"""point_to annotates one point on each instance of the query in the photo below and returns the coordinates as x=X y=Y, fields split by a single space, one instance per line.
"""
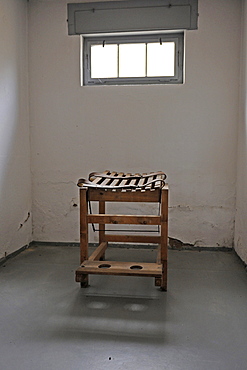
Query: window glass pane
x=161 y=59
x=104 y=61
x=132 y=60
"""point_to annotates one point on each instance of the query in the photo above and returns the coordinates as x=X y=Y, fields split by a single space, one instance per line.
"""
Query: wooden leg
x=164 y=237
x=163 y=283
x=84 y=282
x=83 y=231
x=158 y=280
x=102 y=227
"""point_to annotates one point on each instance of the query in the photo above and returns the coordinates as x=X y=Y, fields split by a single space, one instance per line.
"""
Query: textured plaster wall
x=15 y=176
x=241 y=209
x=189 y=130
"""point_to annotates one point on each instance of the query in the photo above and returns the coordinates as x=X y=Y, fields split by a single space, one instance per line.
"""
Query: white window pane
x=161 y=59
x=104 y=61
x=132 y=60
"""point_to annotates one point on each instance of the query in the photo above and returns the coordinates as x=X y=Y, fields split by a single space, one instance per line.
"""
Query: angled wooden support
x=99 y=252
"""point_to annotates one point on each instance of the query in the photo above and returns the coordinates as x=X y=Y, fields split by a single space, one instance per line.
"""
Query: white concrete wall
x=241 y=212
x=189 y=131
x=15 y=177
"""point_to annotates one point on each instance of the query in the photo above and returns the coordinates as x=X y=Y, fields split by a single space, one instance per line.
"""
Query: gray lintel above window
x=131 y=16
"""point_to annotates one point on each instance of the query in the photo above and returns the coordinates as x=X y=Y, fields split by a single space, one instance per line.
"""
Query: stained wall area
x=188 y=130
x=15 y=175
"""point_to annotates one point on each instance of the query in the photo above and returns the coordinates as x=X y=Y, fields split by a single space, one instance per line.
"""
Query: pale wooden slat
x=117 y=181
x=97 y=180
x=141 y=182
x=134 y=181
x=158 y=183
x=106 y=182
x=149 y=187
x=124 y=182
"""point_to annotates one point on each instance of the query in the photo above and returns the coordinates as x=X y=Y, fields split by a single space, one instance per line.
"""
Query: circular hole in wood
x=104 y=266
x=136 y=267
x=82 y=266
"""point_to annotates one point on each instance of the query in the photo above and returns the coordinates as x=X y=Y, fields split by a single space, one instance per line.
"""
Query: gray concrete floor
x=49 y=322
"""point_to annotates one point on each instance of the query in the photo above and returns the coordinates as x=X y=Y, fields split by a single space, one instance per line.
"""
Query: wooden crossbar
x=132 y=238
x=124 y=196
x=123 y=219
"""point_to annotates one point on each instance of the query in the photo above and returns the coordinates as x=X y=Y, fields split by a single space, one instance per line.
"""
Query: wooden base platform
x=119 y=268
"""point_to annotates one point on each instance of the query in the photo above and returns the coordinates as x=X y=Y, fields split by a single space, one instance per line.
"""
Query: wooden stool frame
x=93 y=264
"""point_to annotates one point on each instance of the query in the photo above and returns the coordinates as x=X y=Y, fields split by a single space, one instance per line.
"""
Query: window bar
x=176 y=52
x=146 y=61
x=118 y=60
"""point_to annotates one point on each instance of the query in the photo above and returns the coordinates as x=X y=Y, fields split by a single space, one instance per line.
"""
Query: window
x=133 y=59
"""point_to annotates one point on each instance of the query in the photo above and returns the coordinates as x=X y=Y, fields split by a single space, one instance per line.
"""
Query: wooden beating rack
x=120 y=187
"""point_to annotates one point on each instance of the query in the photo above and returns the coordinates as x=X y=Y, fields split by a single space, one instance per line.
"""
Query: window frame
x=87 y=41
